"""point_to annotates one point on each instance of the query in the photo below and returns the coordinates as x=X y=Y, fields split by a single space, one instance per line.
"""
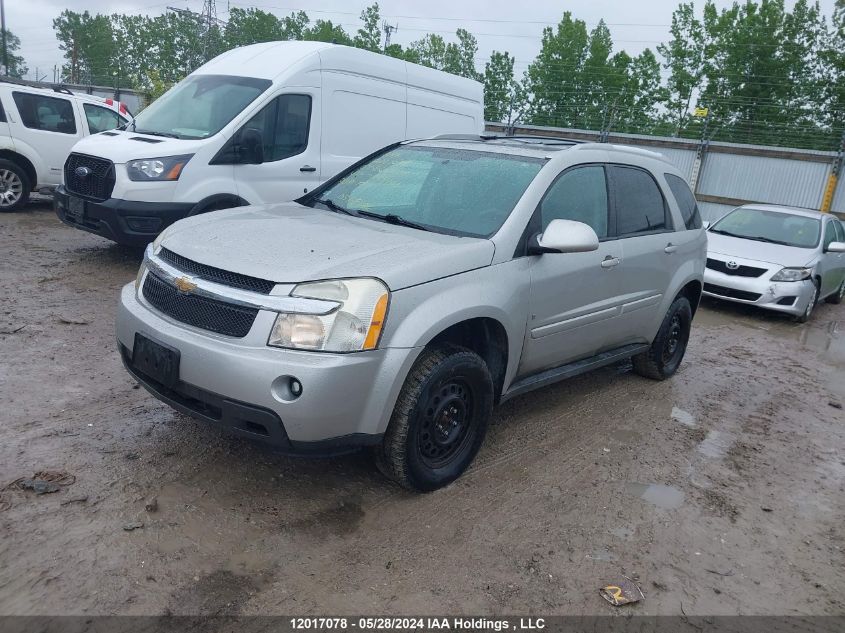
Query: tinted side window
x=579 y=194
x=829 y=233
x=283 y=124
x=45 y=113
x=639 y=205
x=100 y=119
x=840 y=232
x=686 y=201
x=2 y=113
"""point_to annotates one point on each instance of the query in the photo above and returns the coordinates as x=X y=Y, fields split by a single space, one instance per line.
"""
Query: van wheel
x=14 y=186
x=662 y=359
x=440 y=419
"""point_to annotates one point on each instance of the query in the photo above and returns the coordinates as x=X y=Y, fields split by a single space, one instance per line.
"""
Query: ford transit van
x=262 y=123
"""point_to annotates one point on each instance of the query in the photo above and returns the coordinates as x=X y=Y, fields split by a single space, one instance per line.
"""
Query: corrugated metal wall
x=730 y=173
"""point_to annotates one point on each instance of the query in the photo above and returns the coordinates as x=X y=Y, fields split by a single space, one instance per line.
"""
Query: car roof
x=810 y=213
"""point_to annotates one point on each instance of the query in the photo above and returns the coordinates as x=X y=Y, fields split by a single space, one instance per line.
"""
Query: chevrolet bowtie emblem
x=185 y=284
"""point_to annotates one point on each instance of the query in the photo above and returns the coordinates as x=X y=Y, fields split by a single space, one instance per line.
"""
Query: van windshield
x=443 y=189
x=199 y=106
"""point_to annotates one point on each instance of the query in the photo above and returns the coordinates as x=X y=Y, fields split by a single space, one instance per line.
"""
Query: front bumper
x=788 y=297
x=126 y=222
x=346 y=399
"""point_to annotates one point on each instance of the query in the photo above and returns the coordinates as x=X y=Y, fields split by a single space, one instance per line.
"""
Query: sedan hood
x=292 y=243
x=785 y=256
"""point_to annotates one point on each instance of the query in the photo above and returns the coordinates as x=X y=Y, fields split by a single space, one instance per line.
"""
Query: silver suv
x=396 y=304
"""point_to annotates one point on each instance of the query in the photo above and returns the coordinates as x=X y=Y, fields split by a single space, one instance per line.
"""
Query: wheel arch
x=24 y=162
x=692 y=291
x=216 y=201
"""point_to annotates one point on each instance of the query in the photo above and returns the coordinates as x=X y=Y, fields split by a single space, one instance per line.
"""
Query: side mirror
x=705 y=225
x=566 y=236
x=251 y=146
x=835 y=247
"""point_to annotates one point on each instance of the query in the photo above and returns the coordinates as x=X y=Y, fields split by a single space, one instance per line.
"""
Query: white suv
x=38 y=127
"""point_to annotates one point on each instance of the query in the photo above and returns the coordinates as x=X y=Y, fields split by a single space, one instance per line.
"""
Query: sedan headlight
x=165 y=168
x=356 y=325
x=792 y=274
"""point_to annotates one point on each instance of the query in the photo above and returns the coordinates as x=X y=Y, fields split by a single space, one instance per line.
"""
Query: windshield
x=770 y=226
x=199 y=106
x=455 y=191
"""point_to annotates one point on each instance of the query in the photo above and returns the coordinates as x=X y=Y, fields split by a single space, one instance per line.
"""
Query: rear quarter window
x=686 y=201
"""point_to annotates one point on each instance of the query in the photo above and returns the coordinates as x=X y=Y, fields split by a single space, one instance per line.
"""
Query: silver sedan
x=777 y=258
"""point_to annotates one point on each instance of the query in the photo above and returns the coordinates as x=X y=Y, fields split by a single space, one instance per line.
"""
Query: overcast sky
x=512 y=25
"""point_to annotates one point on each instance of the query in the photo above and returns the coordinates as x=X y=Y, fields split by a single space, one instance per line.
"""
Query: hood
x=120 y=146
x=759 y=251
x=292 y=243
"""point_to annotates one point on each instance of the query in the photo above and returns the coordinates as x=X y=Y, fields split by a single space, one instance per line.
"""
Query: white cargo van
x=261 y=123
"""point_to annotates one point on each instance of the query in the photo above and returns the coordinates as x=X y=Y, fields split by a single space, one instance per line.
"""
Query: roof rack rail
x=35 y=84
x=61 y=88
x=539 y=140
x=545 y=140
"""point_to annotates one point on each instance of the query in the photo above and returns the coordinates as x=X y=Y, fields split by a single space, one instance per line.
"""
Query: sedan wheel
x=805 y=316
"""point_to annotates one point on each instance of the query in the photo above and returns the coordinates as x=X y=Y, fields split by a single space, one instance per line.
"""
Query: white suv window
x=100 y=119
x=41 y=112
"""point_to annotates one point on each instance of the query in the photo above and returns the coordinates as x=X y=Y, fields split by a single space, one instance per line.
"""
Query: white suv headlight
x=355 y=326
x=792 y=274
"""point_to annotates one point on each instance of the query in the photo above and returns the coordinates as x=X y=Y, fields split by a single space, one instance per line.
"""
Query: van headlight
x=356 y=325
x=792 y=274
x=164 y=168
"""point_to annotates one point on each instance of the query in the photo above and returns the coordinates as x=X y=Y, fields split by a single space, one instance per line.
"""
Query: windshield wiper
x=331 y=204
x=392 y=218
x=151 y=133
x=760 y=238
x=728 y=233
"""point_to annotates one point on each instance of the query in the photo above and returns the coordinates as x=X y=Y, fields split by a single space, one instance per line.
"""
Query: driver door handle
x=307 y=168
x=670 y=248
x=610 y=262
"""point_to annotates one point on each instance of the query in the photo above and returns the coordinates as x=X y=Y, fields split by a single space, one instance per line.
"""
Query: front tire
x=14 y=186
x=440 y=419
x=663 y=358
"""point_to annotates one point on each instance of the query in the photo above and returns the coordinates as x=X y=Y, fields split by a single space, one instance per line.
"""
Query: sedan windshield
x=442 y=189
x=199 y=106
x=770 y=226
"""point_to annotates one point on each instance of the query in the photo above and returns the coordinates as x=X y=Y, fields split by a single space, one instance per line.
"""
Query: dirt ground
x=719 y=491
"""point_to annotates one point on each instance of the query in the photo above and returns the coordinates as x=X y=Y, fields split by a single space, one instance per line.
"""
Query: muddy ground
x=720 y=491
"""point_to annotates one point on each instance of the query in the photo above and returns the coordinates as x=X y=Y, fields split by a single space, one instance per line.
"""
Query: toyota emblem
x=732 y=265
x=82 y=172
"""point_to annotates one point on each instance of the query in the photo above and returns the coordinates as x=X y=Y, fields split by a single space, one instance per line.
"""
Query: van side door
x=574 y=297
x=49 y=125
x=288 y=130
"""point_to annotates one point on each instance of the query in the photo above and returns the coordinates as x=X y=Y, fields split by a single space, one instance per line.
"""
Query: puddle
x=716 y=444
x=600 y=554
x=665 y=497
x=685 y=418
x=623 y=531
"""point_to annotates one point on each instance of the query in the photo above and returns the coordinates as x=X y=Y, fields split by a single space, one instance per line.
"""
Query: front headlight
x=165 y=168
x=792 y=274
x=355 y=326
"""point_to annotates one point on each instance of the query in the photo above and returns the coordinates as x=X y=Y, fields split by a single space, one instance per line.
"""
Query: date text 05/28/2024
x=416 y=624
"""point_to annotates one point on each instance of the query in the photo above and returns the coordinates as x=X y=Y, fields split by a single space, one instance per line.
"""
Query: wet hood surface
x=121 y=146
x=760 y=251
x=291 y=243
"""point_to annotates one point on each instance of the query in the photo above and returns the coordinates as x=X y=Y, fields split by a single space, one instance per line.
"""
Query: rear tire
x=663 y=358
x=14 y=186
x=837 y=297
x=440 y=419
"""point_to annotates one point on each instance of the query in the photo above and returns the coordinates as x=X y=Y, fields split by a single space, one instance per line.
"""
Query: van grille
x=201 y=312
x=96 y=184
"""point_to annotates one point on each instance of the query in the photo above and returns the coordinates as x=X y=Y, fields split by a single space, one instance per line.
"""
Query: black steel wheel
x=662 y=359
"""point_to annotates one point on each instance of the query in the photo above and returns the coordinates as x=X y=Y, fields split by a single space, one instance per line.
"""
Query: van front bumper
x=345 y=403
x=126 y=222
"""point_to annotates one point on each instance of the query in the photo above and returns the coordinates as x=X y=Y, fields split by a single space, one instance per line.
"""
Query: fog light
x=144 y=225
x=295 y=388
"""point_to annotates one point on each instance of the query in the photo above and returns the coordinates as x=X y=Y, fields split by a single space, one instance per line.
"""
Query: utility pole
x=3 y=26
x=388 y=31
x=74 y=60
x=702 y=148
x=833 y=178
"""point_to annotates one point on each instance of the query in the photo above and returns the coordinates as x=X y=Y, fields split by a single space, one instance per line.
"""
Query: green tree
x=89 y=46
x=369 y=35
x=503 y=97
x=16 y=66
x=683 y=56
x=326 y=31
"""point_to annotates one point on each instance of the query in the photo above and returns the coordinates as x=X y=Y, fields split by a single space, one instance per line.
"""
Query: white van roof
x=271 y=60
